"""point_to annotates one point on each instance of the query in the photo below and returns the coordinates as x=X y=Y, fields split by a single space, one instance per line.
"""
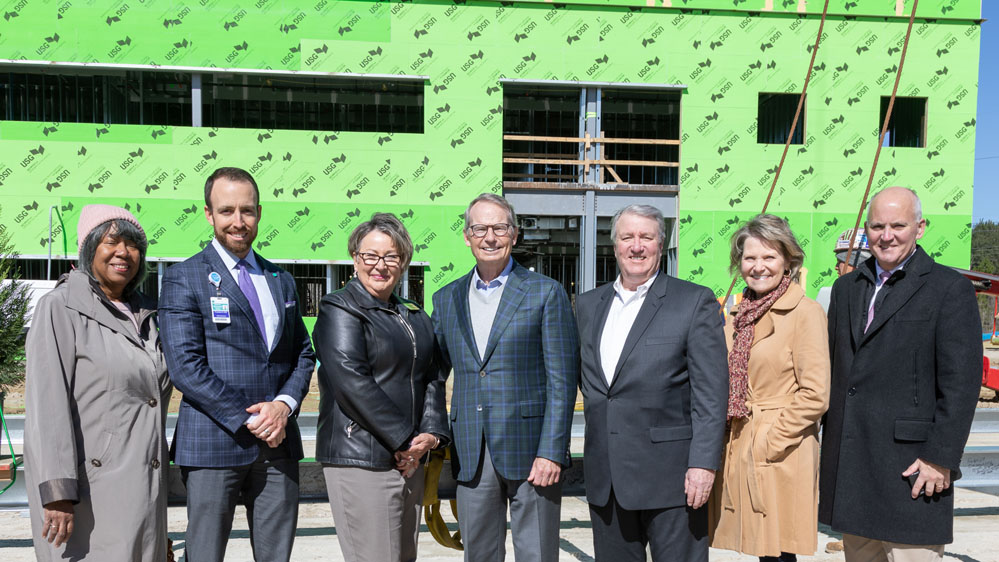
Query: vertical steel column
x=580 y=176
x=591 y=122
x=159 y=277
x=329 y=278
x=404 y=284
x=588 y=227
x=196 y=118
x=588 y=243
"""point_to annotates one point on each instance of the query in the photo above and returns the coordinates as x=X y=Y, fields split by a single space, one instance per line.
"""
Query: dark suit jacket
x=521 y=394
x=905 y=389
x=665 y=408
x=222 y=369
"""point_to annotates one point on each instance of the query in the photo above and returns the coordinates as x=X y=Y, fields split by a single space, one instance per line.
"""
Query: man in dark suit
x=655 y=391
x=510 y=337
x=905 y=339
x=236 y=347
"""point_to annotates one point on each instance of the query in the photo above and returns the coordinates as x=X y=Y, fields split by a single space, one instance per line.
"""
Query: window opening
x=312 y=103
x=559 y=134
x=774 y=116
x=126 y=97
x=907 y=126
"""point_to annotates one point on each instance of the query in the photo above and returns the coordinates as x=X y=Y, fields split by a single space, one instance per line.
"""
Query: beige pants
x=376 y=512
x=860 y=549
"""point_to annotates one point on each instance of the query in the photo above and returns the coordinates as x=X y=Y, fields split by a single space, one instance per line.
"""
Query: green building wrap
x=317 y=185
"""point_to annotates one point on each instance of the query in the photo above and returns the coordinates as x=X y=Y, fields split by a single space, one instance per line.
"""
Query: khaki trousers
x=860 y=549
x=376 y=512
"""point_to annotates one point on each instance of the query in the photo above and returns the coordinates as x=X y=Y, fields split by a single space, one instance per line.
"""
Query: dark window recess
x=775 y=114
x=311 y=103
x=634 y=114
x=541 y=112
x=416 y=283
x=35 y=269
x=134 y=98
x=907 y=126
x=310 y=282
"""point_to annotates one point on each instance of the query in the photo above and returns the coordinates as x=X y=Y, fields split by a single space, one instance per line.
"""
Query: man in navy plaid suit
x=510 y=336
x=237 y=349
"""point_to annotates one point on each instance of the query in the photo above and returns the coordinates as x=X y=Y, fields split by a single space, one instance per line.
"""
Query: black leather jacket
x=380 y=378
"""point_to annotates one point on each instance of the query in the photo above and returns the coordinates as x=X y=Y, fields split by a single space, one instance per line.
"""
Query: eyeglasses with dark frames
x=499 y=229
x=391 y=260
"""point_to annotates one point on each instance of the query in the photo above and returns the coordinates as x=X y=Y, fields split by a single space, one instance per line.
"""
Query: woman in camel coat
x=765 y=498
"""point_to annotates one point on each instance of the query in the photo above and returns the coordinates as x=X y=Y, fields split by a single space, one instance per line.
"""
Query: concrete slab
x=976 y=522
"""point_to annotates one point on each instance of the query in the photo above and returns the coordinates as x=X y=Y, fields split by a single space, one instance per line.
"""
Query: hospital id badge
x=220 y=310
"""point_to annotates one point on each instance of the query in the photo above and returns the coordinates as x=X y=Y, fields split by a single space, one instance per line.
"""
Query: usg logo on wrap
x=97 y=180
x=390 y=178
x=186 y=217
x=438 y=188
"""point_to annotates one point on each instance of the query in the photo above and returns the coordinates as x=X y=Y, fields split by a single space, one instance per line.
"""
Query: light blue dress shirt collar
x=500 y=280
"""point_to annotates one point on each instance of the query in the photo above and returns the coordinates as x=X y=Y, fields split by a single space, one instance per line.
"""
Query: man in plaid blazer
x=510 y=336
x=236 y=347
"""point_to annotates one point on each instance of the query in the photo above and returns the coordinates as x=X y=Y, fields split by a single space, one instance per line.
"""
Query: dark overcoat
x=905 y=389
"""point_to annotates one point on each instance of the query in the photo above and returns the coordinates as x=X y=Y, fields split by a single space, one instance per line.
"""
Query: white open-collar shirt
x=623 y=311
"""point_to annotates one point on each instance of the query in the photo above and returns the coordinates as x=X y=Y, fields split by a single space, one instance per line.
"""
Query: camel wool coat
x=765 y=498
x=96 y=395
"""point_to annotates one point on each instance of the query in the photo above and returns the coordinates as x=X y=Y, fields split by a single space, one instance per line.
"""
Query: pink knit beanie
x=93 y=216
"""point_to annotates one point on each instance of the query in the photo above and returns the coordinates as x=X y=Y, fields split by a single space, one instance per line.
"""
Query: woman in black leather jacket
x=381 y=398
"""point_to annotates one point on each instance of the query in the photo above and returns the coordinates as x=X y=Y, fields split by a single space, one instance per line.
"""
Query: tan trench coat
x=765 y=498
x=95 y=408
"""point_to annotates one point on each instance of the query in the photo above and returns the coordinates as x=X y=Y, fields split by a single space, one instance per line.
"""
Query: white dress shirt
x=623 y=311
x=267 y=306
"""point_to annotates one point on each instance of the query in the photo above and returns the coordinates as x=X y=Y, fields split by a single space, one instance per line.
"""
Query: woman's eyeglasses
x=391 y=260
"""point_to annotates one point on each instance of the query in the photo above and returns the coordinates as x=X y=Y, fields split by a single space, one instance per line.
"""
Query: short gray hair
x=917 y=205
x=496 y=200
x=647 y=211
x=124 y=230
x=389 y=225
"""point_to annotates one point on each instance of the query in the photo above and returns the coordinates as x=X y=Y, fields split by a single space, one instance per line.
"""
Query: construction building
x=571 y=110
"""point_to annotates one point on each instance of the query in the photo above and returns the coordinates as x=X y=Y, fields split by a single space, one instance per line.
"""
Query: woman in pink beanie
x=96 y=396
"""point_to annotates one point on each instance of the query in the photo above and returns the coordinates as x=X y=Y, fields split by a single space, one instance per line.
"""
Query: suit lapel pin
x=215 y=279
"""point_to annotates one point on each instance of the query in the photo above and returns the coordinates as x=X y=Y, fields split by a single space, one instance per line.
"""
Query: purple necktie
x=883 y=276
x=246 y=285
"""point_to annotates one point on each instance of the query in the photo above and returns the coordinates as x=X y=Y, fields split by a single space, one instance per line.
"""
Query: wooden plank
x=638 y=163
x=576 y=187
x=539 y=155
x=549 y=176
x=588 y=139
x=587 y=163
x=616 y=177
x=7 y=468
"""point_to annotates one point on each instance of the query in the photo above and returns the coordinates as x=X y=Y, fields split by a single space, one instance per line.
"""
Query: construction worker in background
x=861 y=251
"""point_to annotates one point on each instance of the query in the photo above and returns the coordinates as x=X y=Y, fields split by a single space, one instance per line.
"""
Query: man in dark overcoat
x=905 y=339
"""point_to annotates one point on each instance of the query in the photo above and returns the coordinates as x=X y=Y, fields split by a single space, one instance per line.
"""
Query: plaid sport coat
x=222 y=369
x=520 y=395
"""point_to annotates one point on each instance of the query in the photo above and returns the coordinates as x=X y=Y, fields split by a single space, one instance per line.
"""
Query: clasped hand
x=269 y=425
x=408 y=460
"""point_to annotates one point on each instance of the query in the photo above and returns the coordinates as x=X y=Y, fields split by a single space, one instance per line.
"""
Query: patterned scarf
x=752 y=308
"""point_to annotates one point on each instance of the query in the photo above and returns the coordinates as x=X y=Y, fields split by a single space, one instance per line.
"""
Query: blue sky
x=986 y=206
